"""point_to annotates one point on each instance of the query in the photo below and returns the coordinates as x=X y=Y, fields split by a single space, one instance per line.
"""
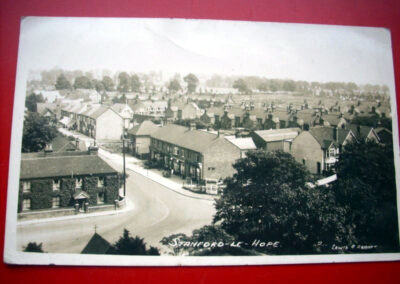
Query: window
x=331 y=152
x=100 y=181
x=304 y=162
x=56 y=202
x=198 y=158
x=100 y=197
x=56 y=184
x=26 y=204
x=211 y=168
x=78 y=183
x=26 y=186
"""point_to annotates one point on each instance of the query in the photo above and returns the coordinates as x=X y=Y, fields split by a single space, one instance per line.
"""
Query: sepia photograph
x=148 y=142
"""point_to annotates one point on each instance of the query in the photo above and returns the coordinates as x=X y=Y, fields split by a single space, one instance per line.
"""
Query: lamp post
x=123 y=155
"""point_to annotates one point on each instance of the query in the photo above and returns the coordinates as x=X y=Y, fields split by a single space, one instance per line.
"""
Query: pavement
x=134 y=164
x=128 y=207
x=157 y=212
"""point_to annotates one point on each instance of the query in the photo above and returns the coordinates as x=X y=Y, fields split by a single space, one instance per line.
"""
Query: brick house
x=64 y=180
x=212 y=115
x=318 y=149
x=125 y=111
x=362 y=132
x=194 y=154
x=139 y=137
x=101 y=123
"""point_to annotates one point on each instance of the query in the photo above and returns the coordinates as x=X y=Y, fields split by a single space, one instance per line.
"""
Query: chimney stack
x=93 y=149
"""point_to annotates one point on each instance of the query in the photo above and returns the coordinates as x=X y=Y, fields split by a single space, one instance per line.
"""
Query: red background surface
x=385 y=13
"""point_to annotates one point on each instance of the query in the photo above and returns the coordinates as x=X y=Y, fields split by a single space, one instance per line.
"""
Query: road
x=158 y=212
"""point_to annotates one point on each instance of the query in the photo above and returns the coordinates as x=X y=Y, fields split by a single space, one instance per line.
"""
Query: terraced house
x=101 y=123
x=199 y=155
x=66 y=182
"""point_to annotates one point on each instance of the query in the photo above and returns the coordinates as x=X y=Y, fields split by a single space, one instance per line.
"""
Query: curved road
x=158 y=212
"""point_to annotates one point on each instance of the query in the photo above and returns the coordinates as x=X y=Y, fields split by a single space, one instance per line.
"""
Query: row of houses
x=199 y=155
x=67 y=180
x=203 y=155
x=98 y=121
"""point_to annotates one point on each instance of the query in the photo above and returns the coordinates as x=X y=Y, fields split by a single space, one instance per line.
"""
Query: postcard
x=163 y=142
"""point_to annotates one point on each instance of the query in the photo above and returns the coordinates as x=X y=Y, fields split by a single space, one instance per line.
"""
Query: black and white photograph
x=163 y=142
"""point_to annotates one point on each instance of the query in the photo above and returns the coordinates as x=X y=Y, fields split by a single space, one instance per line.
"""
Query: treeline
x=262 y=84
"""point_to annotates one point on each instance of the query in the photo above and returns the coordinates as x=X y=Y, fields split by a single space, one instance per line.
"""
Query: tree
x=108 y=83
x=127 y=245
x=135 y=83
x=62 y=83
x=37 y=133
x=267 y=199
x=369 y=192
x=263 y=86
x=241 y=85
x=289 y=86
x=32 y=100
x=192 y=81
x=121 y=99
x=82 y=82
x=174 y=86
x=33 y=247
x=98 y=85
x=123 y=82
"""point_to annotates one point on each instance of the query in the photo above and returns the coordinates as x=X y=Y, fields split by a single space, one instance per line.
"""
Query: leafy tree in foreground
x=128 y=245
x=33 y=247
x=36 y=133
x=267 y=199
x=366 y=185
x=32 y=100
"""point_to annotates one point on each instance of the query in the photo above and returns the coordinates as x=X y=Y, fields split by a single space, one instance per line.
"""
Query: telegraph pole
x=123 y=154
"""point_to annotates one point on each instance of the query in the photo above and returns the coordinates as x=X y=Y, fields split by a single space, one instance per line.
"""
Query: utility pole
x=123 y=154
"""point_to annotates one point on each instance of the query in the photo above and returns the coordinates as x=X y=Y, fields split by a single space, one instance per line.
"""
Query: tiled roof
x=360 y=131
x=61 y=143
x=97 y=245
x=325 y=135
x=282 y=115
x=278 y=134
x=195 y=140
x=332 y=118
x=246 y=143
x=59 y=166
x=215 y=111
x=145 y=128
x=119 y=107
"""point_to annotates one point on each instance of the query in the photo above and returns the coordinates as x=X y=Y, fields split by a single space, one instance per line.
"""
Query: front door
x=81 y=203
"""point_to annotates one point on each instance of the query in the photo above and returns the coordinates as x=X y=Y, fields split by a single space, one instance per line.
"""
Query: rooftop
x=63 y=164
x=278 y=134
x=195 y=140
x=145 y=128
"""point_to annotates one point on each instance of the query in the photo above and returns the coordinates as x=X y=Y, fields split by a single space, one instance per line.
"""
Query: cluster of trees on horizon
x=148 y=82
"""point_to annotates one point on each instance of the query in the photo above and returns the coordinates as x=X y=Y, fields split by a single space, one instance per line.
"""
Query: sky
x=273 y=50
